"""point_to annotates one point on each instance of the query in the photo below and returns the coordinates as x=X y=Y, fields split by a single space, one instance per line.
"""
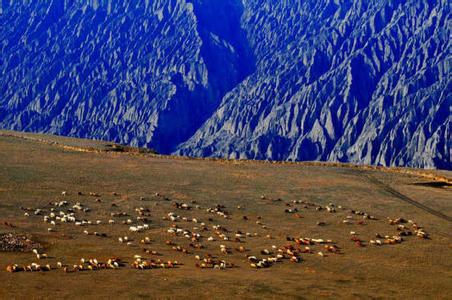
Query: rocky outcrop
x=356 y=81
x=350 y=81
x=143 y=73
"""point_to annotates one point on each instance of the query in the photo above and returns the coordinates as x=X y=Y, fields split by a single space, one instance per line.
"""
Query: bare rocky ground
x=18 y=243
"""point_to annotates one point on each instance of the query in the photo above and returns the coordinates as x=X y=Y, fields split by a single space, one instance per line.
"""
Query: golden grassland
x=35 y=169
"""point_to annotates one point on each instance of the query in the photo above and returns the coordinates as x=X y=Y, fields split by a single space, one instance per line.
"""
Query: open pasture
x=108 y=224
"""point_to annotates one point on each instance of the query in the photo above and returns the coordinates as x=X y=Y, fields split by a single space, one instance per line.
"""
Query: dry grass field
x=278 y=205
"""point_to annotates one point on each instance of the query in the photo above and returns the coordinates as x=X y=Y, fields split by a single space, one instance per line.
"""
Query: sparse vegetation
x=239 y=229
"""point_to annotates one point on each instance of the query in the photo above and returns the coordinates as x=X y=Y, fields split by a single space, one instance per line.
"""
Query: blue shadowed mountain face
x=364 y=81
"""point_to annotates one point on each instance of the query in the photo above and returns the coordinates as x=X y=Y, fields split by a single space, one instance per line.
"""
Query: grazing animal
x=295 y=259
x=11 y=268
x=241 y=249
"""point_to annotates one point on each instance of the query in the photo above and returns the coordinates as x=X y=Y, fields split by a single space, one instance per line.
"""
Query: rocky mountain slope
x=339 y=80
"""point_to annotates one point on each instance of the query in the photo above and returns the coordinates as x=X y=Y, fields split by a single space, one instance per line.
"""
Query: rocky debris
x=13 y=242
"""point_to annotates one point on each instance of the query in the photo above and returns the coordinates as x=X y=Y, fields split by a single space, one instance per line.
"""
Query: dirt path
x=407 y=199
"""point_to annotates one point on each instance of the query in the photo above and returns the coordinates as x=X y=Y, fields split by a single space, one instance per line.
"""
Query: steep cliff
x=144 y=73
x=339 y=80
x=353 y=81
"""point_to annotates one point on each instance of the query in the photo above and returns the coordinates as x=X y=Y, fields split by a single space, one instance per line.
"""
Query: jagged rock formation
x=339 y=80
x=144 y=73
x=360 y=81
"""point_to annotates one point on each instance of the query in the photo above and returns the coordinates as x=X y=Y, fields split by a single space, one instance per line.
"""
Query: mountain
x=352 y=81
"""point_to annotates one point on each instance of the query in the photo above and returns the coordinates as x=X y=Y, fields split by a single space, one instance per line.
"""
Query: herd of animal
x=208 y=240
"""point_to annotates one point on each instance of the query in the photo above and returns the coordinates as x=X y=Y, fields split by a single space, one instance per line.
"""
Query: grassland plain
x=35 y=169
